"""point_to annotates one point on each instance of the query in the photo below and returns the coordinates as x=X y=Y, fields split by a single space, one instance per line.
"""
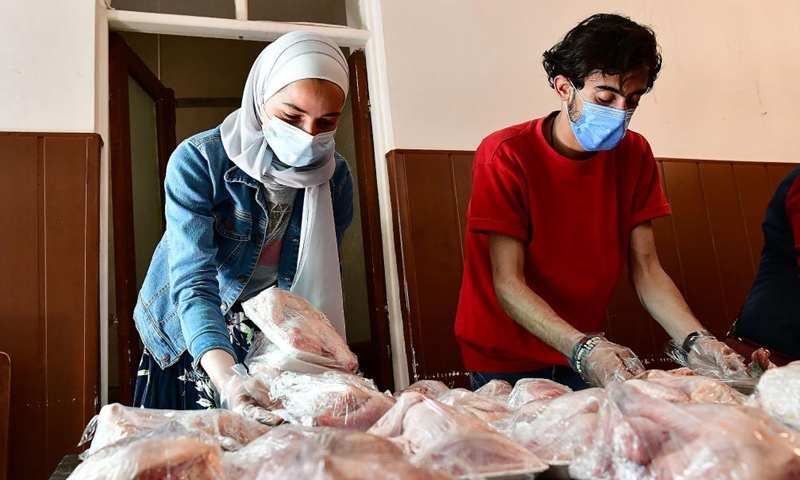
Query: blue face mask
x=296 y=148
x=600 y=127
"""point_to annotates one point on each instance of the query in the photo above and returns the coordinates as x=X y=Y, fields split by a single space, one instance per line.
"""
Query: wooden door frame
x=370 y=221
x=124 y=62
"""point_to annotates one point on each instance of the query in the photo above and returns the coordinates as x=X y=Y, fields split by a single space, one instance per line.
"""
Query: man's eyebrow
x=609 y=88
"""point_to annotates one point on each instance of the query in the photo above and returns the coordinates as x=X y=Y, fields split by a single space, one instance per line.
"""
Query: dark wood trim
x=53 y=135
x=708 y=161
x=423 y=151
x=5 y=408
x=370 y=220
x=122 y=208
x=123 y=62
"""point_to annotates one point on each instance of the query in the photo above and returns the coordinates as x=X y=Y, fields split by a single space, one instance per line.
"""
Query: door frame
x=381 y=351
x=124 y=62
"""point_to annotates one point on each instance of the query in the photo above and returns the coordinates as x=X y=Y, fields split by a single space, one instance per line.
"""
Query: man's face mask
x=296 y=148
x=600 y=127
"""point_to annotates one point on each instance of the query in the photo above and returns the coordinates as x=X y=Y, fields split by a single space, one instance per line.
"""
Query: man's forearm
x=536 y=316
x=664 y=302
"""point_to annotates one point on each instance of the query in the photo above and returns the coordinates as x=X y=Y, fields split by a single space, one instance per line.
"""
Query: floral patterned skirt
x=180 y=386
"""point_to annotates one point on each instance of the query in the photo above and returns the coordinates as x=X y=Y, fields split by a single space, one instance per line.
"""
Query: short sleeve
x=649 y=201
x=793 y=213
x=499 y=202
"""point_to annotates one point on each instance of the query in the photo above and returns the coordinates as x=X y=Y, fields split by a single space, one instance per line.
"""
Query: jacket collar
x=237 y=175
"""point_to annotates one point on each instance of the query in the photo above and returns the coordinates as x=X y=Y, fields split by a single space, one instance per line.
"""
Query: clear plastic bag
x=532 y=389
x=718 y=365
x=171 y=451
x=333 y=399
x=296 y=452
x=265 y=357
x=484 y=408
x=299 y=330
x=429 y=388
x=700 y=440
x=696 y=388
x=438 y=436
x=497 y=390
x=116 y=422
x=778 y=394
x=560 y=429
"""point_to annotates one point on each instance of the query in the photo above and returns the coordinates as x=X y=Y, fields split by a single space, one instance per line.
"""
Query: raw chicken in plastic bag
x=296 y=452
x=436 y=435
x=299 y=330
x=705 y=440
x=115 y=422
x=484 y=408
x=333 y=399
x=496 y=389
x=429 y=388
x=170 y=452
x=778 y=394
x=532 y=389
x=696 y=388
x=560 y=429
x=264 y=357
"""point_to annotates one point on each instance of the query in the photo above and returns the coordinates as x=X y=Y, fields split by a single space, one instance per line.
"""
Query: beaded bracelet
x=581 y=350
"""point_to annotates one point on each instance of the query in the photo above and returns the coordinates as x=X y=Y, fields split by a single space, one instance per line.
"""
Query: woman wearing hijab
x=263 y=200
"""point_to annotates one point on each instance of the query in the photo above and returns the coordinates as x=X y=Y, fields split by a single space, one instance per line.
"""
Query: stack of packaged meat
x=294 y=337
x=660 y=425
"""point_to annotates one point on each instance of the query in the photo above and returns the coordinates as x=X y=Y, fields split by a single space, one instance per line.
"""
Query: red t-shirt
x=575 y=218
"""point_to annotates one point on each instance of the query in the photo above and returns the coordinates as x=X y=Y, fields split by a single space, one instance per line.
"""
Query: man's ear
x=563 y=87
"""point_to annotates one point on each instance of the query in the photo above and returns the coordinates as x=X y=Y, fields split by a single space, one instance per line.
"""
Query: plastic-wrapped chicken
x=438 y=436
x=115 y=422
x=294 y=452
x=484 y=408
x=429 y=388
x=497 y=390
x=267 y=360
x=560 y=429
x=702 y=440
x=697 y=388
x=532 y=389
x=332 y=399
x=298 y=330
x=169 y=452
x=778 y=394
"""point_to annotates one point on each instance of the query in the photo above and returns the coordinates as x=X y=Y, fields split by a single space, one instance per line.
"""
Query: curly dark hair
x=606 y=43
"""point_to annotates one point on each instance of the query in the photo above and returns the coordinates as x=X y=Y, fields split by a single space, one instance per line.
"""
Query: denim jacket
x=216 y=223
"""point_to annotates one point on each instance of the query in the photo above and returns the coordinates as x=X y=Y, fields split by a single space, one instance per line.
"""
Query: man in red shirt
x=558 y=205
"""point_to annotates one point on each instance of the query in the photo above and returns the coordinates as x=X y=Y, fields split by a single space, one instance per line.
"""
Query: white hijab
x=295 y=56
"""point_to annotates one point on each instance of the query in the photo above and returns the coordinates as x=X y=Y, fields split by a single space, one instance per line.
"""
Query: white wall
x=458 y=70
x=47 y=60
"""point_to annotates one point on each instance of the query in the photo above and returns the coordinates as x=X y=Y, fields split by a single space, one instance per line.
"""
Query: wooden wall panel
x=462 y=180
x=754 y=194
x=49 y=309
x=694 y=240
x=428 y=244
x=728 y=230
x=710 y=247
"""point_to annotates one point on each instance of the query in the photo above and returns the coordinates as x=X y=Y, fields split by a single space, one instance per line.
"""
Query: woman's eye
x=291 y=116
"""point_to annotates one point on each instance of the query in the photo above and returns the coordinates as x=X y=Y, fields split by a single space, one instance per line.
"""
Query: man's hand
x=712 y=358
x=601 y=362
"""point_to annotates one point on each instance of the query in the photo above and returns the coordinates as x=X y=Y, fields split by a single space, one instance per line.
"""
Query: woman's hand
x=238 y=391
